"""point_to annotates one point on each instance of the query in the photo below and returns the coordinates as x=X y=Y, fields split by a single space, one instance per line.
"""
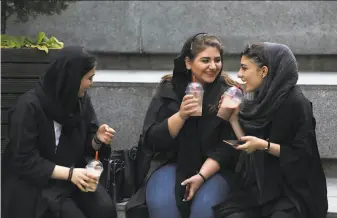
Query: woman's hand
x=252 y=144
x=188 y=106
x=81 y=179
x=105 y=134
x=192 y=185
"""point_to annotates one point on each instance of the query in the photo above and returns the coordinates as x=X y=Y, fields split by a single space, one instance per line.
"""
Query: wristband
x=70 y=173
x=202 y=176
x=267 y=149
x=97 y=141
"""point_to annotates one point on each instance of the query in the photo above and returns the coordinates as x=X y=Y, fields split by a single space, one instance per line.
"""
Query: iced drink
x=197 y=91
x=94 y=168
x=230 y=101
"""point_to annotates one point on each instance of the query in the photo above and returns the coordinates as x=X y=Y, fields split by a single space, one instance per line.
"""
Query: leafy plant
x=42 y=42
x=30 y=8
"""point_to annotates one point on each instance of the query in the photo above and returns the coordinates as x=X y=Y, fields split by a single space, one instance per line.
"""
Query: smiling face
x=86 y=82
x=251 y=74
x=206 y=66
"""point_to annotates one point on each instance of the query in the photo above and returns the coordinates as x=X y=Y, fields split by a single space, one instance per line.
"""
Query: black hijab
x=282 y=76
x=58 y=87
x=192 y=148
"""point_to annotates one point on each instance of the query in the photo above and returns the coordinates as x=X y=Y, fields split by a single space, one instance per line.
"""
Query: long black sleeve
x=24 y=134
x=158 y=135
x=219 y=151
x=92 y=127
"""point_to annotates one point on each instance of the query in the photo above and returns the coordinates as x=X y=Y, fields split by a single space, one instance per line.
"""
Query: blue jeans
x=160 y=197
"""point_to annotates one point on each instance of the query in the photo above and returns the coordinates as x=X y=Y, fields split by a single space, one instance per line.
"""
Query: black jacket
x=298 y=172
x=31 y=155
x=158 y=147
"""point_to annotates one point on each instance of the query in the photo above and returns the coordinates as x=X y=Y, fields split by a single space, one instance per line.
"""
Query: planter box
x=20 y=70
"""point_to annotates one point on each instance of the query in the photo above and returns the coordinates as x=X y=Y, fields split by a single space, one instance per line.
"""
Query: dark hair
x=90 y=62
x=191 y=48
x=256 y=53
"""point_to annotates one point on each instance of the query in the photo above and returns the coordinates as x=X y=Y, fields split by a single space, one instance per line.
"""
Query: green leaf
x=43 y=48
x=42 y=42
x=39 y=37
x=55 y=43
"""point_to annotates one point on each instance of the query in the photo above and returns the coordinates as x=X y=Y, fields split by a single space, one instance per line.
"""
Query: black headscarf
x=59 y=86
x=192 y=149
x=281 y=78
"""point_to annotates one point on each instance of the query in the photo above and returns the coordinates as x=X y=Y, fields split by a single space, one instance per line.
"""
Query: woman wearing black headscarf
x=52 y=128
x=279 y=165
x=190 y=171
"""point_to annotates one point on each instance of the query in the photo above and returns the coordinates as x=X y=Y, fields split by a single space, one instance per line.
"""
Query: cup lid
x=95 y=163
x=235 y=92
x=194 y=87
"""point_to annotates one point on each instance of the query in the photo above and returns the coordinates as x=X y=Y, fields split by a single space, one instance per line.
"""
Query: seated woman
x=279 y=165
x=52 y=128
x=190 y=172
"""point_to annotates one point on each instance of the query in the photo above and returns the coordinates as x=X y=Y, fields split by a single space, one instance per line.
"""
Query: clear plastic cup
x=94 y=168
x=231 y=100
x=196 y=89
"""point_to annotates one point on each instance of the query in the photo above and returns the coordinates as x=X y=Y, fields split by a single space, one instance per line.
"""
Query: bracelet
x=97 y=141
x=267 y=149
x=202 y=176
x=70 y=173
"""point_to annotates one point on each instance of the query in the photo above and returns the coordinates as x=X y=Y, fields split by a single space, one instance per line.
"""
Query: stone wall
x=162 y=26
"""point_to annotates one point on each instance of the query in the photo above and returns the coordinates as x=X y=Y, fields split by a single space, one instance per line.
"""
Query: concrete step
x=332 y=199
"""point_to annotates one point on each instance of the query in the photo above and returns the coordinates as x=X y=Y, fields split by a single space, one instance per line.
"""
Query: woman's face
x=86 y=82
x=206 y=65
x=251 y=74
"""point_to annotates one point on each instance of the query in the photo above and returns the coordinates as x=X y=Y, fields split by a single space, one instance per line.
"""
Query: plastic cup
x=197 y=91
x=94 y=168
x=230 y=101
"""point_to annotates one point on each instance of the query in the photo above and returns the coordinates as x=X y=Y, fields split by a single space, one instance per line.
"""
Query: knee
x=159 y=197
x=160 y=188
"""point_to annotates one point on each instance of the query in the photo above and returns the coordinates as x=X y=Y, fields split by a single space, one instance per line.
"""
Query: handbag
x=119 y=178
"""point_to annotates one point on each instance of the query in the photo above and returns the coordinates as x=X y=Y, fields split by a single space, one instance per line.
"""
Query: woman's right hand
x=81 y=179
x=188 y=106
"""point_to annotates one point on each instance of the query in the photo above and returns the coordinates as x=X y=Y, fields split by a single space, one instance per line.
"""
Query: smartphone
x=234 y=143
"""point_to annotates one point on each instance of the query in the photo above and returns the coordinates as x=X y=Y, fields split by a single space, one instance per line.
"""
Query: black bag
x=119 y=176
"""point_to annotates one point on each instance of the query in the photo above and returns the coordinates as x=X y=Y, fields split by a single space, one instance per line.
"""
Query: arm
x=220 y=155
x=26 y=158
x=175 y=123
x=92 y=127
x=160 y=134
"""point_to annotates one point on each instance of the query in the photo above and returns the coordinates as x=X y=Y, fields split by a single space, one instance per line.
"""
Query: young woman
x=279 y=166
x=52 y=128
x=190 y=172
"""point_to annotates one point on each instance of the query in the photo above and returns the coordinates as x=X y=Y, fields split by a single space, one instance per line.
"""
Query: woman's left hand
x=192 y=185
x=252 y=144
x=105 y=134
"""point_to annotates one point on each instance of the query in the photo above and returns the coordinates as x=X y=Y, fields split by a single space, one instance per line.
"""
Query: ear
x=188 y=63
x=264 y=71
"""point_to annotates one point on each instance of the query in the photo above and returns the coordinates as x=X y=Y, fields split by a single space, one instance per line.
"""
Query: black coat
x=158 y=147
x=298 y=172
x=30 y=156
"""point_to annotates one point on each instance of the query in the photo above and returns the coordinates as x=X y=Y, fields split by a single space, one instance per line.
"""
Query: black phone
x=234 y=143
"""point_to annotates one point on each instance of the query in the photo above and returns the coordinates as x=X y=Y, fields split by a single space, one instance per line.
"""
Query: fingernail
x=182 y=183
x=184 y=199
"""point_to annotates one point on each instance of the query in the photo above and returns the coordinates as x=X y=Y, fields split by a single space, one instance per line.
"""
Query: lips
x=240 y=81
x=210 y=73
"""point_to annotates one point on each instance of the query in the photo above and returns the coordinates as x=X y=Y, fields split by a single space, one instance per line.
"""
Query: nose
x=240 y=74
x=212 y=65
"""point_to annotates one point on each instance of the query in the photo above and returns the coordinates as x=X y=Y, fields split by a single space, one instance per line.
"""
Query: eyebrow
x=209 y=57
x=243 y=65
